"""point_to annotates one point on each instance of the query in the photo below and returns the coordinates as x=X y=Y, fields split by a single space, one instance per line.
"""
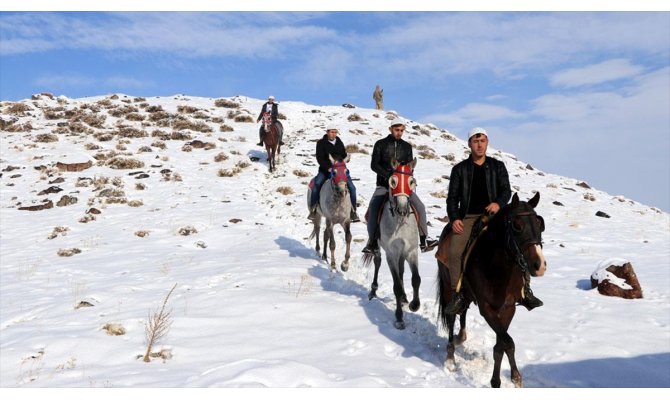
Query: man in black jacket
x=330 y=145
x=385 y=150
x=477 y=185
x=269 y=107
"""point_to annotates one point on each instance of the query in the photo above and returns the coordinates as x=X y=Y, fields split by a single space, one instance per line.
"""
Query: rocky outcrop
x=74 y=167
x=616 y=280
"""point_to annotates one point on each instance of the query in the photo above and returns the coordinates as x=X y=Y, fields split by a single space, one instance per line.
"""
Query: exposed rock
x=616 y=280
x=557 y=203
x=49 y=190
x=66 y=201
x=44 y=206
x=347 y=105
x=602 y=214
x=584 y=185
x=93 y=210
x=74 y=167
x=57 y=180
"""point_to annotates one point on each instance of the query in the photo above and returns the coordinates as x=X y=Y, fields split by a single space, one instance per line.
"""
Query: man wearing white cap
x=269 y=107
x=385 y=150
x=477 y=185
x=330 y=146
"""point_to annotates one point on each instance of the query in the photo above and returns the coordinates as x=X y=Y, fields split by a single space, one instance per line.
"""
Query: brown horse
x=510 y=245
x=271 y=138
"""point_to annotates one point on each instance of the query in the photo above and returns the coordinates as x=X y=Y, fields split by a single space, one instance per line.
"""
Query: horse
x=399 y=233
x=506 y=248
x=335 y=206
x=271 y=138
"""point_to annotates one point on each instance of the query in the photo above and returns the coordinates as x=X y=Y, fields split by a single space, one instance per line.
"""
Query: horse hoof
x=400 y=325
x=344 y=267
x=451 y=365
x=372 y=295
x=414 y=305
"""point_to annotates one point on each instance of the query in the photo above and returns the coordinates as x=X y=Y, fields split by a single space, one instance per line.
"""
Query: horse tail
x=443 y=293
x=367 y=259
x=315 y=230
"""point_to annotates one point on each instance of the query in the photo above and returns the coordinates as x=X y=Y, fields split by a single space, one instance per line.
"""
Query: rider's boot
x=371 y=247
x=426 y=244
x=456 y=304
x=529 y=300
x=353 y=216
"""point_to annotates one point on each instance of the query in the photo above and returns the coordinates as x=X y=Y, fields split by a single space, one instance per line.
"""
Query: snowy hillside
x=254 y=306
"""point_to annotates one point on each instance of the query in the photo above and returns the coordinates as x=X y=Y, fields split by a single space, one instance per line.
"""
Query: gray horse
x=398 y=236
x=335 y=206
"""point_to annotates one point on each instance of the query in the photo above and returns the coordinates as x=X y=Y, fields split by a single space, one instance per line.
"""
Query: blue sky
x=580 y=94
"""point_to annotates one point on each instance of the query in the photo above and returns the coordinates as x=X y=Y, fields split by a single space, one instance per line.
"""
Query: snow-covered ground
x=254 y=306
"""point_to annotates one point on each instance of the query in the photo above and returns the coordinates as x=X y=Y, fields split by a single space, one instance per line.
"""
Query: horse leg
x=451 y=346
x=498 y=352
x=317 y=227
x=398 y=291
x=375 y=286
x=326 y=235
x=462 y=333
x=347 y=237
x=509 y=350
x=416 y=282
x=332 y=246
x=401 y=274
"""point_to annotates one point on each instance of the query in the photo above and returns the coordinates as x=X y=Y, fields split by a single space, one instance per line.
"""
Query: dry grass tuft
x=285 y=190
x=187 y=109
x=18 y=109
x=187 y=230
x=226 y=128
x=353 y=148
x=114 y=329
x=124 y=163
x=244 y=118
x=142 y=233
x=301 y=173
x=355 y=118
x=68 y=252
x=157 y=326
x=221 y=157
x=136 y=203
x=45 y=138
x=225 y=103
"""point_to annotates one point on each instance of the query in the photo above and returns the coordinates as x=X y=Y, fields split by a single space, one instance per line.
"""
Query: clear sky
x=580 y=94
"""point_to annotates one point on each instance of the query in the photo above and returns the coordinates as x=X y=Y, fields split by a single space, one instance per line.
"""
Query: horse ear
x=394 y=164
x=346 y=161
x=413 y=163
x=515 y=200
x=536 y=199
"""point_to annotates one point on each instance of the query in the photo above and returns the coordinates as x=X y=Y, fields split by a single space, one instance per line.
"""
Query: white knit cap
x=477 y=130
x=271 y=98
x=398 y=121
x=332 y=126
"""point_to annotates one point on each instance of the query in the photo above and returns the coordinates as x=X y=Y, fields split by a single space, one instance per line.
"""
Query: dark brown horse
x=271 y=138
x=494 y=272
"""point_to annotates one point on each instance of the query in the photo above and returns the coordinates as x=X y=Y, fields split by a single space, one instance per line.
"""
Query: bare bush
x=140 y=186
x=144 y=149
x=301 y=173
x=157 y=326
x=180 y=136
x=355 y=117
x=354 y=148
x=68 y=252
x=198 y=126
x=226 y=128
x=221 y=157
x=135 y=117
x=187 y=109
x=130 y=132
x=136 y=203
x=142 y=233
x=154 y=109
x=62 y=230
x=244 y=118
x=92 y=146
x=18 y=109
x=225 y=103
x=114 y=329
x=124 y=163
x=228 y=173
x=159 y=144
x=187 y=230
x=285 y=190
x=45 y=138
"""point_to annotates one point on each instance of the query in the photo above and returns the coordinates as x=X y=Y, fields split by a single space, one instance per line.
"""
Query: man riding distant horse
x=384 y=152
x=270 y=107
x=478 y=185
x=330 y=145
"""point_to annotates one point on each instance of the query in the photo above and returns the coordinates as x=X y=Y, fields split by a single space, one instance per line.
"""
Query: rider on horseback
x=385 y=150
x=273 y=109
x=330 y=145
x=477 y=185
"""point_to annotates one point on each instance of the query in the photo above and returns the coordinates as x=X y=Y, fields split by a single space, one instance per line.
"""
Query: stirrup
x=429 y=245
x=530 y=301
x=371 y=247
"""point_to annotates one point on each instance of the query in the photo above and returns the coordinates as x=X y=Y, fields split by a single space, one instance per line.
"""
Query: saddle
x=442 y=253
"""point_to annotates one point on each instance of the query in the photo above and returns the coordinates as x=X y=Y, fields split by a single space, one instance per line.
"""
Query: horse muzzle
x=537 y=264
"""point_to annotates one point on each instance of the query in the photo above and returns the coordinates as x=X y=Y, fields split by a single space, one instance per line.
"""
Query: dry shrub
x=121 y=147
x=144 y=149
x=244 y=118
x=154 y=109
x=136 y=203
x=428 y=154
x=68 y=252
x=198 y=126
x=200 y=115
x=92 y=146
x=78 y=127
x=12 y=127
x=220 y=157
x=142 y=233
x=18 y=109
x=353 y=148
x=58 y=230
x=103 y=136
x=140 y=186
x=180 y=136
x=135 y=117
x=159 y=144
x=105 y=155
x=52 y=113
x=225 y=103
x=281 y=116
x=217 y=120
x=239 y=139
x=124 y=163
x=104 y=103
x=45 y=138
x=187 y=148
x=448 y=136
x=129 y=132
x=187 y=230
x=121 y=111
x=354 y=118
x=116 y=200
x=301 y=173
x=160 y=134
x=187 y=109
x=114 y=329
x=228 y=173
x=285 y=190
x=243 y=164
x=159 y=116
x=226 y=128
x=442 y=194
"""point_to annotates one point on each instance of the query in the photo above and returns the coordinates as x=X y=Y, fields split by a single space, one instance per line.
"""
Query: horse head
x=267 y=121
x=401 y=185
x=339 y=176
x=524 y=234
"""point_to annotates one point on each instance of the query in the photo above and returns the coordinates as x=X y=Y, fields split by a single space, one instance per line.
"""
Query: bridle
x=338 y=174
x=401 y=183
x=513 y=230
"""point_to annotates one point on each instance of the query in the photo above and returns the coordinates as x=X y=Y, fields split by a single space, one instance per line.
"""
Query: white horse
x=398 y=236
x=335 y=206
